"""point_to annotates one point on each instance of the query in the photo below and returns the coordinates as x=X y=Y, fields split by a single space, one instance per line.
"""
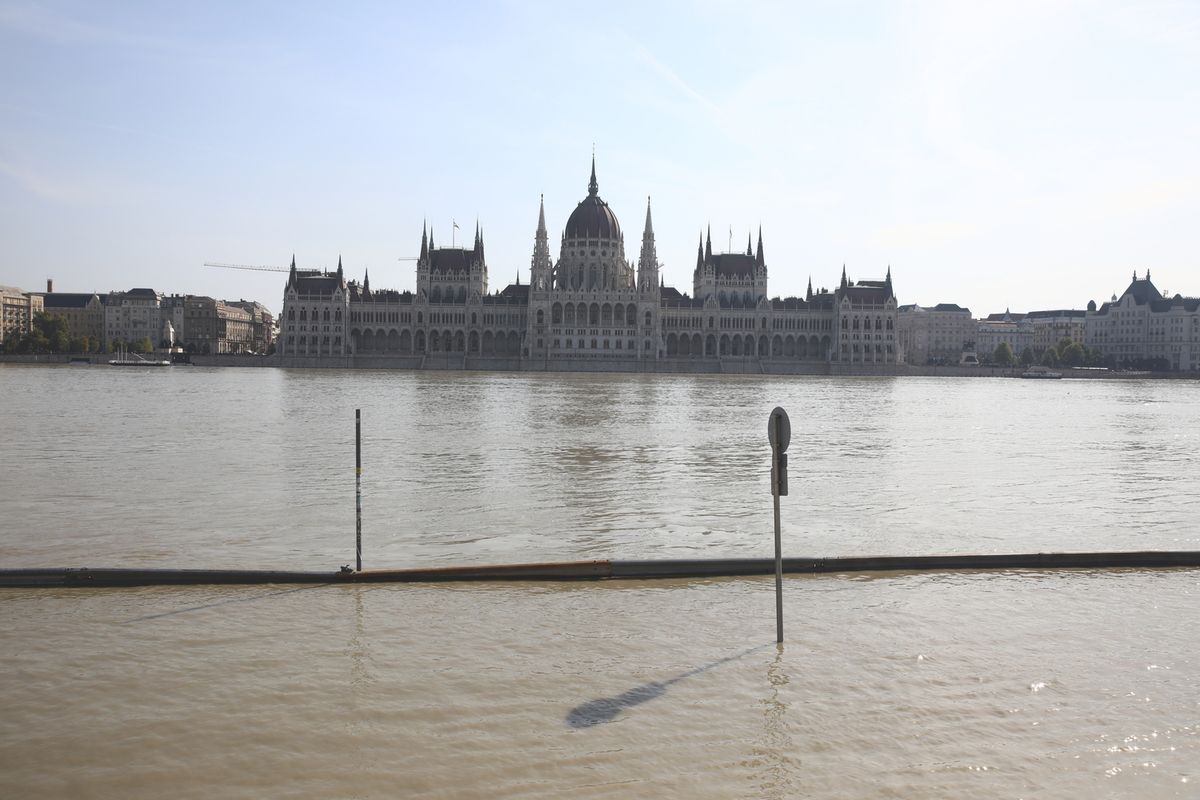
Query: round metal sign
x=785 y=430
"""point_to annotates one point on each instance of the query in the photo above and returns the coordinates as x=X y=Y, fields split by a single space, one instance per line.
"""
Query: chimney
x=49 y=285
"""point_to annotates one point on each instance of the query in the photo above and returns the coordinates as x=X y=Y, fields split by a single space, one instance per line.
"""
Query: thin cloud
x=40 y=23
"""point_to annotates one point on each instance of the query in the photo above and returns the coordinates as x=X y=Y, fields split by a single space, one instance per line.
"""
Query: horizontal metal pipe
x=599 y=570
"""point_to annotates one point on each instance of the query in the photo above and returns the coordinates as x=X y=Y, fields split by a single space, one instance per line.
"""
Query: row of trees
x=1068 y=353
x=50 y=333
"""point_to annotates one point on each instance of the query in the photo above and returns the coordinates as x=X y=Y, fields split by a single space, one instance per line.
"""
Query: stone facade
x=1051 y=327
x=938 y=334
x=1007 y=327
x=590 y=305
x=132 y=316
x=16 y=311
x=83 y=312
x=1142 y=325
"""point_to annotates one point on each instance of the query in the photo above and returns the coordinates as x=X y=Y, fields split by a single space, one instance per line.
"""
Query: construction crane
x=270 y=268
x=256 y=268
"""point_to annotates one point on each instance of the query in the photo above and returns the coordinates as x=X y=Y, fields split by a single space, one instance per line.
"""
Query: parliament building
x=591 y=308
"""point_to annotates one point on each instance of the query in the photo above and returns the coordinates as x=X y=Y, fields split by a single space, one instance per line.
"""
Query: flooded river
x=1009 y=684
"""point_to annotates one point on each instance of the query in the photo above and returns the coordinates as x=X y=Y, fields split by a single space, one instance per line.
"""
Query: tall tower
x=648 y=261
x=540 y=265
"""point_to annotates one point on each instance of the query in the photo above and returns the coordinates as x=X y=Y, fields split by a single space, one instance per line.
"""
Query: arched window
x=337 y=315
x=303 y=314
x=541 y=317
x=292 y=313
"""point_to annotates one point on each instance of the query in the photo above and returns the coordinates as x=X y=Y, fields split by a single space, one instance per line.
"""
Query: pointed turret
x=758 y=258
x=887 y=282
x=648 y=261
x=541 y=266
x=844 y=281
x=481 y=254
x=292 y=273
x=749 y=245
x=700 y=253
x=424 y=245
x=708 y=245
x=808 y=297
x=593 y=187
x=339 y=269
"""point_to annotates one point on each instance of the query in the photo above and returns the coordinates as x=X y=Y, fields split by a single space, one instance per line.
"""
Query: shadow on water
x=606 y=709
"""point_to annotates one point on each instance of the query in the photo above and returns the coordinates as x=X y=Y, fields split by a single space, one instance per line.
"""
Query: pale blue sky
x=1023 y=155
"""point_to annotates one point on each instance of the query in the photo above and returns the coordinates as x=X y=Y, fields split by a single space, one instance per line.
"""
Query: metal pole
x=358 y=493
x=778 y=546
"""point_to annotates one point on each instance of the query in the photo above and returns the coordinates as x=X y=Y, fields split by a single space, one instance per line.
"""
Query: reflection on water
x=254 y=468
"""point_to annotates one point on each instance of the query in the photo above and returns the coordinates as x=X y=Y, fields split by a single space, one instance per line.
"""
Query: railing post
x=779 y=434
x=358 y=489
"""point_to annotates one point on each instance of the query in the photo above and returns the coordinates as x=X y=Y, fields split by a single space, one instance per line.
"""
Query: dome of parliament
x=592 y=218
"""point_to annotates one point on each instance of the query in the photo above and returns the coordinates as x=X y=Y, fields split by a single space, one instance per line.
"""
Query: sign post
x=779 y=434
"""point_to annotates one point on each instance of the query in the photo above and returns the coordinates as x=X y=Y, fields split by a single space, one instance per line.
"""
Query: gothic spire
x=339 y=269
x=648 y=260
x=749 y=244
x=541 y=230
x=366 y=281
x=700 y=253
x=424 y=243
x=593 y=187
x=708 y=245
x=844 y=282
x=759 y=256
x=808 y=297
x=292 y=272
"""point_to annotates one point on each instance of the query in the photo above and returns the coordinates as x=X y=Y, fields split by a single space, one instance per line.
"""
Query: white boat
x=1040 y=372
x=127 y=359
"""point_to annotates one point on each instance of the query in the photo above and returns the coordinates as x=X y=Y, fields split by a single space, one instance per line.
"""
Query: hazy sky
x=1023 y=155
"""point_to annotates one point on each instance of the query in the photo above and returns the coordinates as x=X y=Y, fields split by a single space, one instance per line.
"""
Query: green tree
x=1028 y=357
x=1073 y=354
x=1004 y=354
x=50 y=334
x=1049 y=358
